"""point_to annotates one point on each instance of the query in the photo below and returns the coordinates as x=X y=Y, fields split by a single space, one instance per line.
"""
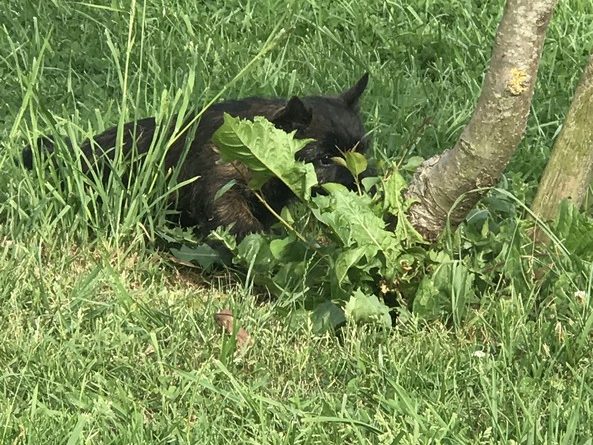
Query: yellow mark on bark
x=517 y=82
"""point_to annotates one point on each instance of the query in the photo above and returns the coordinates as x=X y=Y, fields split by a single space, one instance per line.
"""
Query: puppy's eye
x=326 y=161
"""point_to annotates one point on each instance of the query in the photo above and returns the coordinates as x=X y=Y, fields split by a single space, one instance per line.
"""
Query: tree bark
x=490 y=138
x=570 y=168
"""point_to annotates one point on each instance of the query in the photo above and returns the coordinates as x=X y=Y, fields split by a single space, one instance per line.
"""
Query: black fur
x=332 y=121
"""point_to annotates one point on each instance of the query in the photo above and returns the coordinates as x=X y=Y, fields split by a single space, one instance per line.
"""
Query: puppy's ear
x=293 y=116
x=352 y=96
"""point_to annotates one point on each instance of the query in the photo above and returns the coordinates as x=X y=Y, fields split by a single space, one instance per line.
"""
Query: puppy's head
x=334 y=123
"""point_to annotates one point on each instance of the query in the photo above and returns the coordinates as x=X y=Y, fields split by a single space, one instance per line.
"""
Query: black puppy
x=332 y=121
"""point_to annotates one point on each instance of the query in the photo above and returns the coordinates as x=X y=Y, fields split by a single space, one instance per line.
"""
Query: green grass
x=105 y=341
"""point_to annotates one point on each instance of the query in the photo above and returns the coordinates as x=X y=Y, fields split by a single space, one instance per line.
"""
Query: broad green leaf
x=394 y=203
x=461 y=282
x=223 y=236
x=369 y=182
x=267 y=152
x=286 y=215
x=355 y=162
x=438 y=256
x=351 y=218
x=290 y=275
x=254 y=251
x=340 y=161
x=202 y=255
x=327 y=316
x=362 y=308
x=349 y=258
x=412 y=163
x=445 y=292
x=394 y=186
x=177 y=234
x=279 y=246
x=429 y=303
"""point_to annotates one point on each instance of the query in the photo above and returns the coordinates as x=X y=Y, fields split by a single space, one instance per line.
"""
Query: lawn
x=105 y=339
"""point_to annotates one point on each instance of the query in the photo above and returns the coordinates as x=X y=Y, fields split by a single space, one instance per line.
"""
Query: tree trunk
x=570 y=168
x=490 y=138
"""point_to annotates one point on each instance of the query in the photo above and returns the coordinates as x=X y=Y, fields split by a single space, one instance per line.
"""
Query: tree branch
x=496 y=127
x=569 y=171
